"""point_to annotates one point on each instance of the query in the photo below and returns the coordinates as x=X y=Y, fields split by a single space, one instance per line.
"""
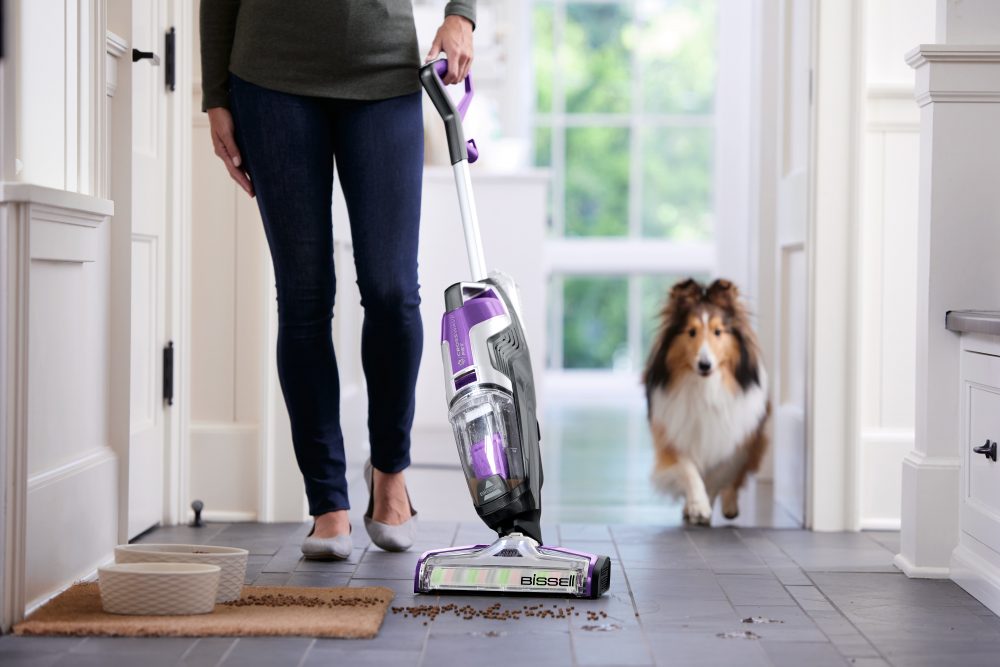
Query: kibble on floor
x=495 y=612
x=746 y=596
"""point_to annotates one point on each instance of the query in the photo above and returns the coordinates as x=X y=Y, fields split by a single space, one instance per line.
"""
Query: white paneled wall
x=888 y=256
x=228 y=331
x=61 y=459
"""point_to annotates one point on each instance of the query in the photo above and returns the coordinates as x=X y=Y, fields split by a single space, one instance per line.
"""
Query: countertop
x=974 y=321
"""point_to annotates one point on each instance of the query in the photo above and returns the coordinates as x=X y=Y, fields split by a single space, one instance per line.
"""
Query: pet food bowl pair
x=169 y=579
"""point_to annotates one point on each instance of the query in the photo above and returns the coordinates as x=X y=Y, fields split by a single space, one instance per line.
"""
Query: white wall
x=61 y=446
x=887 y=255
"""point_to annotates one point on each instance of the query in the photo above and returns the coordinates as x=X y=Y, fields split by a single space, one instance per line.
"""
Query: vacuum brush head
x=513 y=564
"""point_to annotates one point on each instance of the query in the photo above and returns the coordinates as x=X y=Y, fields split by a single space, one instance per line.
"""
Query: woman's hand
x=454 y=37
x=221 y=126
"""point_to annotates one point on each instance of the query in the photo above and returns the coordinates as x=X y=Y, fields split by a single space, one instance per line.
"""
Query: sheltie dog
x=706 y=395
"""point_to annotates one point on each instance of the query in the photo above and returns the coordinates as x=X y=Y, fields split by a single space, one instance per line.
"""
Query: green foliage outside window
x=595 y=321
x=631 y=76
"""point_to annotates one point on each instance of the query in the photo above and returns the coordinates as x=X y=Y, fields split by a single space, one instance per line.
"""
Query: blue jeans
x=289 y=144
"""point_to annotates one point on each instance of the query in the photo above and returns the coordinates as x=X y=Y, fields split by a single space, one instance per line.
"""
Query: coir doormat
x=261 y=611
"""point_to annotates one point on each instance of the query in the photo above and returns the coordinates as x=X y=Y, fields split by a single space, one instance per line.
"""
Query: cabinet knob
x=987 y=449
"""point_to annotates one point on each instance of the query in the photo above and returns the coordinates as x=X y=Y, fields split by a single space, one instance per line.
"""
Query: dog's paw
x=730 y=504
x=698 y=513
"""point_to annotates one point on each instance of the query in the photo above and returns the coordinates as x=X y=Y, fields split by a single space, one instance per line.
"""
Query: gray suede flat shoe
x=384 y=535
x=327 y=548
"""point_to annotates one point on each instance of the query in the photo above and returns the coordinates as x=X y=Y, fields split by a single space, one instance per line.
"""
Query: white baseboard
x=224 y=516
x=977 y=575
x=881 y=453
x=918 y=571
x=880 y=523
x=929 y=521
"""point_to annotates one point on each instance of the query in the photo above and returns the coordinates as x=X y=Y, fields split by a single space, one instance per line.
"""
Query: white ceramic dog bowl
x=155 y=589
x=231 y=560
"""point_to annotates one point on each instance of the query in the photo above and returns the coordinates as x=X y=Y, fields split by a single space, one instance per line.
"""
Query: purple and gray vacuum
x=491 y=405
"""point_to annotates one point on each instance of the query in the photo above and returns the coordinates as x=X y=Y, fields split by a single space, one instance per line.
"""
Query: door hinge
x=168 y=373
x=170 y=58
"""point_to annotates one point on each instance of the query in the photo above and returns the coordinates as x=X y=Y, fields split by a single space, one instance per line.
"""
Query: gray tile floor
x=597 y=461
x=679 y=596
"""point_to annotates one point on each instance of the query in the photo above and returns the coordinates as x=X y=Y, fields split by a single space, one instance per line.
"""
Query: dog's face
x=705 y=331
x=705 y=344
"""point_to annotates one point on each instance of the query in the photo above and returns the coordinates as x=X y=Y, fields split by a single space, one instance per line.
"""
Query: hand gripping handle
x=430 y=78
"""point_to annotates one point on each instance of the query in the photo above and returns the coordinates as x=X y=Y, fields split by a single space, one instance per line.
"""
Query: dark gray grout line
x=635 y=607
x=225 y=654
x=808 y=576
x=305 y=654
x=189 y=649
x=867 y=639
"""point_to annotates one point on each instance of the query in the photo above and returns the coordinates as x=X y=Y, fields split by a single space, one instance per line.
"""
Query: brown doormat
x=261 y=611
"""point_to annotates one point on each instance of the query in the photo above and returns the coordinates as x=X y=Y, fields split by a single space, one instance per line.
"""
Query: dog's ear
x=684 y=296
x=723 y=294
x=686 y=293
x=746 y=368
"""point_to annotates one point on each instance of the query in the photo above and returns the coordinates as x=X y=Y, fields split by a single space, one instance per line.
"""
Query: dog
x=706 y=396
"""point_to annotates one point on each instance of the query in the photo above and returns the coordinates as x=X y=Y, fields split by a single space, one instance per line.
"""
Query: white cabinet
x=976 y=560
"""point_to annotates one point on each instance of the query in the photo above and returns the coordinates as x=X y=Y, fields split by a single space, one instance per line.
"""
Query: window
x=623 y=114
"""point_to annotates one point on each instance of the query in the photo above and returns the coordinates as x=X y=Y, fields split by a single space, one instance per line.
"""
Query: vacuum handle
x=430 y=78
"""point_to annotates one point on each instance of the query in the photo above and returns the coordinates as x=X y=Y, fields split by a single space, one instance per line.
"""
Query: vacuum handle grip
x=430 y=79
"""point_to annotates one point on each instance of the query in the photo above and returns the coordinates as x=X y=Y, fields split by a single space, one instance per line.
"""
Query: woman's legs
x=287 y=144
x=379 y=148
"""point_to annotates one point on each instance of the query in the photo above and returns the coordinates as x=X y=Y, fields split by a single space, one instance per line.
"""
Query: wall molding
x=97 y=457
x=919 y=571
x=75 y=202
x=920 y=460
x=977 y=575
x=116 y=45
x=115 y=48
x=952 y=53
x=951 y=74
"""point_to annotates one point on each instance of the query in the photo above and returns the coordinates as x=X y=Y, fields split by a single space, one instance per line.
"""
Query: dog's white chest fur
x=704 y=420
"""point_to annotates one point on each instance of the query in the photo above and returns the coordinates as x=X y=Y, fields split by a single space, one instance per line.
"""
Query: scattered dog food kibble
x=281 y=600
x=495 y=612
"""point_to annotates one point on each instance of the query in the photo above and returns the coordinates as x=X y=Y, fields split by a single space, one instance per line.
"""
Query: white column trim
x=833 y=425
x=13 y=409
x=953 y=75
x=956 y=76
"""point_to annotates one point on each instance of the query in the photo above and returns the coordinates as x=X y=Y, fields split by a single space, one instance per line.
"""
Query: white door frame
x=178 y=278
x=832 y=421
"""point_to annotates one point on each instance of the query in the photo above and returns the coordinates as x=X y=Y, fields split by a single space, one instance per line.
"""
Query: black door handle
x=987 y=449
x=138 y=55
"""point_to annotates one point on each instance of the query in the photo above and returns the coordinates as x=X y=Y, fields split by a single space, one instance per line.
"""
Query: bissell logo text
x=538 y=580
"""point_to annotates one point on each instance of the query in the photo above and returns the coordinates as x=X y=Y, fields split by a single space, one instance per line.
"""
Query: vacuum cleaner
x=491 y=406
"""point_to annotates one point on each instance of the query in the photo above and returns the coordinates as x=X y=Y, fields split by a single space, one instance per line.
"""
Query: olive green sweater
x=350 y=49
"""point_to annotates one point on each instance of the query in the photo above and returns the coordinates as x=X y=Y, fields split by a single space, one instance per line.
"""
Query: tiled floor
x=678 y=597
x=597 y=461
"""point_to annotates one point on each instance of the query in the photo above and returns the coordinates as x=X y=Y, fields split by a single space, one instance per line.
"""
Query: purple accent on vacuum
x=488 y=458
x=455 y=326
x=591 y=557
x=464 y=380
x=441 y=67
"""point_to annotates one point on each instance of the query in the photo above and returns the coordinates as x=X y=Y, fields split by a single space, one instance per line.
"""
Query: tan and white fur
x=706 y=393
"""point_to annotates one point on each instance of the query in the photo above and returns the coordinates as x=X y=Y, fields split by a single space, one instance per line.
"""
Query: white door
x=149 y=217
x=791 y=253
